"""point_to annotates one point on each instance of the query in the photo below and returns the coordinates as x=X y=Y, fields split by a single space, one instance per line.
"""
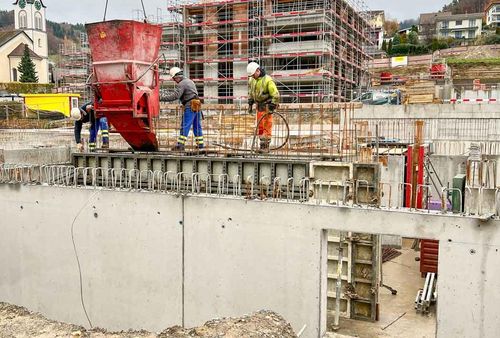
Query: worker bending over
x=187 y=94
x=86 y=114
x=262 y=91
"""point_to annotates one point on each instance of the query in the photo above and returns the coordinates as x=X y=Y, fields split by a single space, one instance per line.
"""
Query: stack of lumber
x=419 y=91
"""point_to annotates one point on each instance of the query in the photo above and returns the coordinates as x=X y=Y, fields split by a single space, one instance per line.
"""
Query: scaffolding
x=74 y=67
x=315 y=50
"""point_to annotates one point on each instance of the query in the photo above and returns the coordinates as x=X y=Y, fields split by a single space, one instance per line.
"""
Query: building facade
x=377 y=21
x=31 y=31
x=492 y=14
x=315 y=50
x=459 y=26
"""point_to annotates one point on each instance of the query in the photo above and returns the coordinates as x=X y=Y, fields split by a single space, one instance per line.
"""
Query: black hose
x=255 y=135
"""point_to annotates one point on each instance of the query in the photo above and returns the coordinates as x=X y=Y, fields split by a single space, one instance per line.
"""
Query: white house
x=31 y=30
x=492 y=14
x=459 y=26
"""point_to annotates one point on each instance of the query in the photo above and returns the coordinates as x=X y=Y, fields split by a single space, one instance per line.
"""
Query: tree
x=404 y=38
x=414 y=28
x=389 y=47
x=384 y=46
x=396 y=40
x=27 y=68
x=413 y=38
x=391 y=27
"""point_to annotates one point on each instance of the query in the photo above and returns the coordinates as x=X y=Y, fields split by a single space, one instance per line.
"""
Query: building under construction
x=138 y=236
x=315 y=50
x=74 y=66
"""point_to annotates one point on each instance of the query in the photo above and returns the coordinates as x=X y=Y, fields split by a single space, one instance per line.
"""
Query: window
x=472 y=34
x=14 y=74
x=458 y=23
x=74 y=102
x=458 y=35
x=23 y=19
x=38 y=21
x=445 y=24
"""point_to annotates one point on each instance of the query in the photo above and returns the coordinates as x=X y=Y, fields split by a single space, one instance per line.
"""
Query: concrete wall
x=428 y=111
x=37 y=156
x=152 y=260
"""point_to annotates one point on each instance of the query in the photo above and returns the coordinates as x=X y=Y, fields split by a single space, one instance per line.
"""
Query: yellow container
x=60 y=103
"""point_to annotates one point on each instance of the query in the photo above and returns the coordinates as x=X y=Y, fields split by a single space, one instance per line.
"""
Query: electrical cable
x=251 y=150
x=78 y=259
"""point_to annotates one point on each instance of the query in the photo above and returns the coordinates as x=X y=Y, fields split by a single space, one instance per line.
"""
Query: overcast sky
x=82 y=11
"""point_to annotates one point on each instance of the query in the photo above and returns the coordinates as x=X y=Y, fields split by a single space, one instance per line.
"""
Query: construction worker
x=187 y=94
x=86 y=114
x=262 y=91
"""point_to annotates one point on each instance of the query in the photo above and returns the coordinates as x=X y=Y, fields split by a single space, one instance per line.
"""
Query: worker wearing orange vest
x=263 y=92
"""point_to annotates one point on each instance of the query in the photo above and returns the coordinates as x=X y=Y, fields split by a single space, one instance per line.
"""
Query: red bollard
x=125 y=78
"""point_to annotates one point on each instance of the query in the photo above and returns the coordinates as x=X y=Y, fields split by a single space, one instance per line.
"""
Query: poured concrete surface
x=401 y=273
x=54 y=155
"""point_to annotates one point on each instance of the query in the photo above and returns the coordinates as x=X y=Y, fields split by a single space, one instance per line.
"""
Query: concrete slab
x=61 y=154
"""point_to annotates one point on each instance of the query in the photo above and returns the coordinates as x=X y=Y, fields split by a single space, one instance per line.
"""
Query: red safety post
x=125 y=78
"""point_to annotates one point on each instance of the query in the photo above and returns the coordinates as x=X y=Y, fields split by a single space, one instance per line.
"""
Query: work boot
x=105 y=146
x=178 y=147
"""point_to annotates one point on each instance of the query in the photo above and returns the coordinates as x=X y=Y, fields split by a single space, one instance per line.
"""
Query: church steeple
x=29 y=16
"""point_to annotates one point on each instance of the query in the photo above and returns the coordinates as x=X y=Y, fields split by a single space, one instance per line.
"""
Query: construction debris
x=16 y=321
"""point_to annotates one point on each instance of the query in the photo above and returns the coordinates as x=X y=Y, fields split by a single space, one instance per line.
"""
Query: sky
x=82 y=11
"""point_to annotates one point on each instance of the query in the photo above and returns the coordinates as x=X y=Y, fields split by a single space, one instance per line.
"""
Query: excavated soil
x=18 y=322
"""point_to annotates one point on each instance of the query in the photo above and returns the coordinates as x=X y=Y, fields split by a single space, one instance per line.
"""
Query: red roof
x=491 y=3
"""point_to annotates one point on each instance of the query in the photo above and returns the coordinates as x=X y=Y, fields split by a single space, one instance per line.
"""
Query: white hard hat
x=174 y=71
x=76 y=114
x=252 y=68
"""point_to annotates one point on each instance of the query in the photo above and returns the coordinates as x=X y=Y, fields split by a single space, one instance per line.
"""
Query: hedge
x=26 y=88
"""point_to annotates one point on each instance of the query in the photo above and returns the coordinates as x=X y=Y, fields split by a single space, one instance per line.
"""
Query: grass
x=459 y=61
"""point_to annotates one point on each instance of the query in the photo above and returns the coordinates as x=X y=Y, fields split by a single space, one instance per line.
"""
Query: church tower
x=29 y=16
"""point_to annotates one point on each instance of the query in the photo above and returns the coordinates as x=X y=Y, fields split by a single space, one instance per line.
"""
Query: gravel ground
x=18 y=322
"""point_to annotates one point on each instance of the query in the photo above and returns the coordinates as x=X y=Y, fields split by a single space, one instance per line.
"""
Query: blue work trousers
x=190 y=118
x=100 y=123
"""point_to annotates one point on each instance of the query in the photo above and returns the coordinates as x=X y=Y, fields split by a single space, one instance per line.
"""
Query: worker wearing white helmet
x=187 y=94
x=86 y=114
x=262 y=91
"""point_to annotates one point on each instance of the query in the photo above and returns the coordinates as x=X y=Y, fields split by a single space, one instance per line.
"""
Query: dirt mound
x=260 y=324
x=18 y=322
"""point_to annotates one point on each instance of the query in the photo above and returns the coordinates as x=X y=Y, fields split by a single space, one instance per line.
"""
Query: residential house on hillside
x=459 y=26
x=492 y=14
x=427 y=25
x=376 y=22
x=447 y=25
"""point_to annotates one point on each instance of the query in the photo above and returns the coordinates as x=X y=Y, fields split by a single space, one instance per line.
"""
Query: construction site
x=356 y=220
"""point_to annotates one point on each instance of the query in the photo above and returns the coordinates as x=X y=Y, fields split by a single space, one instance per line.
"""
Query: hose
x=251 y=150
